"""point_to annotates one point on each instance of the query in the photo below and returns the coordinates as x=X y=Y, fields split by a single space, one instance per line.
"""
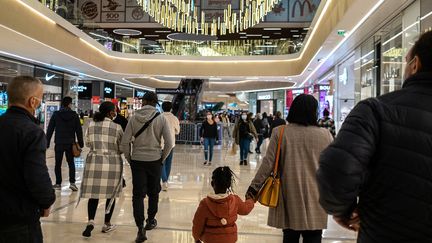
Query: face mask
x=244 y=117
x=209 y=117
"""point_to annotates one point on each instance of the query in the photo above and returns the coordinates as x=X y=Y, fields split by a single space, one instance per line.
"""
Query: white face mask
x=244 y=117
x=209 y=117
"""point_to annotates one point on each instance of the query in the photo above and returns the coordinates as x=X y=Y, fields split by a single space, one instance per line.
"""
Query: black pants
x=146 y=181
x=22 y=234
x=61 y=149
x=92 y=207
x=309 y=236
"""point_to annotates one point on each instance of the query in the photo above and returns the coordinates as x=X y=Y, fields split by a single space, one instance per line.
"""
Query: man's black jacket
x=25 y=185
x=66 y=124
x=383 y=156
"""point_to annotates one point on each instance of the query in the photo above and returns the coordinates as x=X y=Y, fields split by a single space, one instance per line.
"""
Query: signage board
x=50 y=108
x=265 y=95
x=84 y=90
x=109 y=90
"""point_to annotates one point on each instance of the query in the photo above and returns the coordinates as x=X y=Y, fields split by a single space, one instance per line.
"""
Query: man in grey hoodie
x=143 y=152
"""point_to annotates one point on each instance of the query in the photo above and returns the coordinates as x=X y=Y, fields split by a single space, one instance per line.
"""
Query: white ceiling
x=18 y=45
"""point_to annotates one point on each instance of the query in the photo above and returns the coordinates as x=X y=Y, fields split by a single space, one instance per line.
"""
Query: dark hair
x=104 y=109
x=423 y=49
x=166 y=106
x=223 y=178
x=21 y=88
x=303 y=111
x=278 y=114
x=264 y=115
x=326 y=112
x=150 y=97
x=66 y=101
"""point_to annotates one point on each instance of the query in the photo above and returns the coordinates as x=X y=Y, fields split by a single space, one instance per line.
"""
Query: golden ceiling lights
x=183 y=16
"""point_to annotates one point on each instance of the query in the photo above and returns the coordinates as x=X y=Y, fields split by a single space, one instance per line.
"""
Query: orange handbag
x=269 y=193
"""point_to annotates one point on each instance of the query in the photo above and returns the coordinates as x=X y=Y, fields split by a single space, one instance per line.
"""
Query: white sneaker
x=165 y=186
x=108 y=228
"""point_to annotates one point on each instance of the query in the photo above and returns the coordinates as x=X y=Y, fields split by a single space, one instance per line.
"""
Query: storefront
x=56 y=85
x=267 y=101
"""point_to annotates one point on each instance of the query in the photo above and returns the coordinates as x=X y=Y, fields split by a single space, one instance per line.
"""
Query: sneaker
x=165 y=186
x=88 y=230
x=57 y=187
x=245 y=162
x=151 y=224
x=141 y=236
x=209 y=163
x=250 y=152
x=73 y=187
x=108 y=228
x=241 y=162
x=205 y=162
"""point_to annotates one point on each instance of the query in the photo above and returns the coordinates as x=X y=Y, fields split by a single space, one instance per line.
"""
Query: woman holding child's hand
x=298 y=211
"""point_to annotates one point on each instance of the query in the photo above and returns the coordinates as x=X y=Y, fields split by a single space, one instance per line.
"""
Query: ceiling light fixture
x=272 y=29
x=183 y=16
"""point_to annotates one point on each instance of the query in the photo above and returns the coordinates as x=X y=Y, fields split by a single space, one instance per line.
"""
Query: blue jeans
x=208 y=147
x=244 y=148
x=166 y=167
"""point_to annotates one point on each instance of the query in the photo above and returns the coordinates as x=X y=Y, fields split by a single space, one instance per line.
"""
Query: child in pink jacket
x=215 y=218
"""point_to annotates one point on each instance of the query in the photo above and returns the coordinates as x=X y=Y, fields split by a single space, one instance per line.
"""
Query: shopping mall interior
x=202 y=55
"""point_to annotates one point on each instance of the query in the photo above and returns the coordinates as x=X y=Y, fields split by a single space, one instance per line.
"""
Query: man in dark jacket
x=25 y=186
x=66 y=124
x=278 y=121
x=382 y=156
x=259 y=127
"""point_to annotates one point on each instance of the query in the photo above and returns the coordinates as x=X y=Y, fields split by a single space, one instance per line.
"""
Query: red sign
x=95 y=99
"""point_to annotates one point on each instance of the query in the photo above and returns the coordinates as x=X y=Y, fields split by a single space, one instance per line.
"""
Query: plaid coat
x=298 y=207
x=102 y=178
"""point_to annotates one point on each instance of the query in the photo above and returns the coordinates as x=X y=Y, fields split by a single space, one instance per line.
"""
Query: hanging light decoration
x=183 y=16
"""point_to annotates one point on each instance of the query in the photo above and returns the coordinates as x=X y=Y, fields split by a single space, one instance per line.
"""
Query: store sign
x=265 y=96
x=324 y=88
x=298 y=91
x=109 y=90
x=84 y=90
x=95 y=100
x=139 y=93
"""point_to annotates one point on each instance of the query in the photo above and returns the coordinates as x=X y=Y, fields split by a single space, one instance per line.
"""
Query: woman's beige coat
x=298 y=206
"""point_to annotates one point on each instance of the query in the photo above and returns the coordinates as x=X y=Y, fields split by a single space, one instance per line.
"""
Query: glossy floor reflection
x=189 y=183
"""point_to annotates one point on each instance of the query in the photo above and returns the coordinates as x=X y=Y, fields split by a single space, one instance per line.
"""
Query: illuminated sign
x=108 y=90
x=343 y=78
x=324 y=87
x=265 y=96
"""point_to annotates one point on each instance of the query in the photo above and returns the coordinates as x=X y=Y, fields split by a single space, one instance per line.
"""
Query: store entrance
x=267 y=106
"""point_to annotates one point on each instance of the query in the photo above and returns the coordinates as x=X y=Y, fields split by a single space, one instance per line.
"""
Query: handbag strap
x=146 y=125
x=276 y=166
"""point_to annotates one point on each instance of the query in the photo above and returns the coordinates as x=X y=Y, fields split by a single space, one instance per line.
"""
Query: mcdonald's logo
x=301 y=4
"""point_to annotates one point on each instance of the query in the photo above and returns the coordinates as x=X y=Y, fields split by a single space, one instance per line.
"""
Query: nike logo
x=48 y=78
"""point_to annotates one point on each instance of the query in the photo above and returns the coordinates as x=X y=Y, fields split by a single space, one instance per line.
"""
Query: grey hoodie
x=147 y=146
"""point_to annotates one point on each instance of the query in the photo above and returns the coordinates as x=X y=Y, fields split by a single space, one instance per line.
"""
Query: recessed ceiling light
x=151 y=35
x=268 y=43
x=253 y=35
x=277 y=33
x=296 y=36
x=274 y=46
x=306 y=28
x=243 y=37
x=266 y=37
x=283 y=39
x=127 y=32
x=223 y=96
x=272 y=28
x=294 y=31
x=163 y=31
x=242 y=33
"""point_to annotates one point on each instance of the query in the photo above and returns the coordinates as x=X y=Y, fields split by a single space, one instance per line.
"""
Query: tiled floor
x=189 y=183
